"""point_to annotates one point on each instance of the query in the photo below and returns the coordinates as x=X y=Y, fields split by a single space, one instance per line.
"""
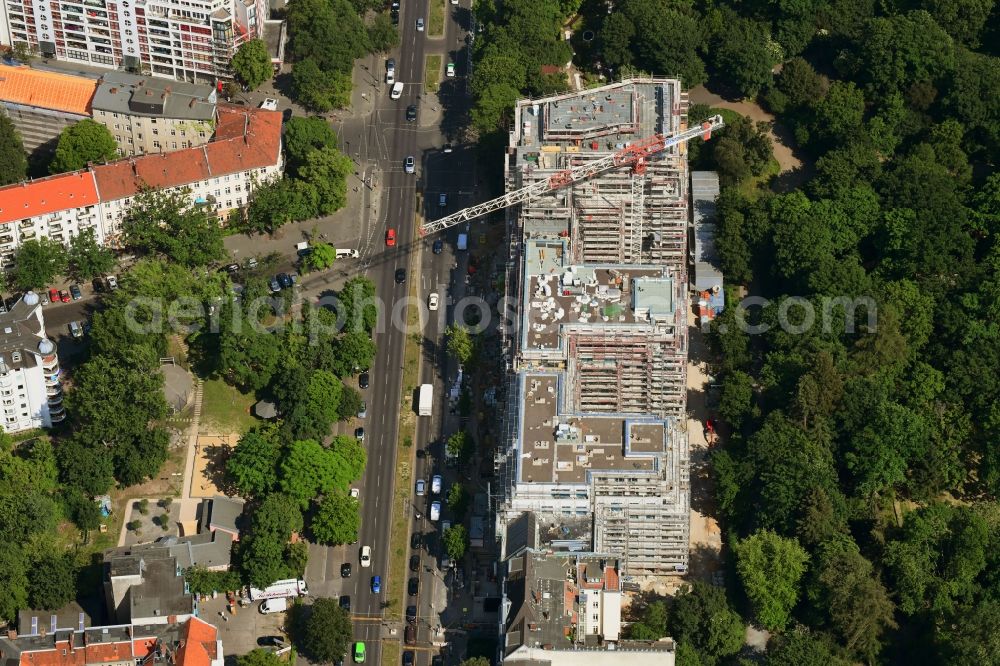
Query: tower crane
x=634 y=155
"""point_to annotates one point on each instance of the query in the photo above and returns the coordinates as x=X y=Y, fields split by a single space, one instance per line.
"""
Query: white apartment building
x=220 y=174
x=189 y=40
x=31 y=392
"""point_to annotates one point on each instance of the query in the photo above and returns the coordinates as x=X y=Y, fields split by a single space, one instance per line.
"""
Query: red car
x=64 y=296
x=390 y=238
x=54 y=296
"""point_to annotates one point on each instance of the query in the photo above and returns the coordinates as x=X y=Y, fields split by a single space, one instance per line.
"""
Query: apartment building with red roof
x=221 y=175
x=191 y=642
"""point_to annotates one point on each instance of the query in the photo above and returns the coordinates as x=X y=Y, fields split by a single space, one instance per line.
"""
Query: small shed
x=707 y=273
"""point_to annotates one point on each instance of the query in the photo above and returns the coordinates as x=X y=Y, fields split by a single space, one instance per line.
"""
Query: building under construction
x=598 y=360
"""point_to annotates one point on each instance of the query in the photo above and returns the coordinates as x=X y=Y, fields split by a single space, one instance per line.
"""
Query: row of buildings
x=221 y=174
x=143 y=113
x=152 y=617
x=193 y=41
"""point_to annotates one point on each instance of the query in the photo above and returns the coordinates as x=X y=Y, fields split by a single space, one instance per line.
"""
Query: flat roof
x=558 y=447
x=557 y=295
x=47 y=90
x=121 y=92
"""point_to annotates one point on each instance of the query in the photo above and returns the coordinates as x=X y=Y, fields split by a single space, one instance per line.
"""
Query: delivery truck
x=425 y=400
x=280 y=589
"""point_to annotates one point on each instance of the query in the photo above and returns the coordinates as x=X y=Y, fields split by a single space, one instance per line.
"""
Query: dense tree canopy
x=12 y=155
x=252 y=63
x=169 y=225
x=81 y=143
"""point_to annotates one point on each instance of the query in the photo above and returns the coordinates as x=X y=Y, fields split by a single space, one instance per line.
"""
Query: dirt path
x=780 y=135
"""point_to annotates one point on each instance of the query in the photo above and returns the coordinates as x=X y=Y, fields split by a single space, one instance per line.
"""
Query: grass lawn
x=225 y=409
x=439 y=10
x=432 y=73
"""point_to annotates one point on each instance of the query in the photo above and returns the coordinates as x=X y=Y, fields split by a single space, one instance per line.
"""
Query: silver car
x=409 y=166
x=421 y=487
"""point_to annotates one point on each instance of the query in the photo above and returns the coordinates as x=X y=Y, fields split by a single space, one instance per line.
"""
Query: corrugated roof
x=49 y=90
x=47 y=195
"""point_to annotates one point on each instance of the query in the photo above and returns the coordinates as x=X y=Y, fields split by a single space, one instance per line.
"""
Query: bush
x=143 y=506
x=165 y=502
x=134 y=526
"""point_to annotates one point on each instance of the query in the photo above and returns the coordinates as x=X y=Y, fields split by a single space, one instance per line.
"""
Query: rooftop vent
x=15 y=356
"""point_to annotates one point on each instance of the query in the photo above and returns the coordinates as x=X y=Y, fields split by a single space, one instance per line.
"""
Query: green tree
x=13 y=579
x=86 y=258
x=309 y=470
x=51 y=581
x=770 y=568
x=203 y=581
x=12 y=155
x=838 y=115
x=382 y=34
x=737 y=400
x=898 y=51
x=667 y=39
x=459 y=445
x=326 y=631
x=651 y=622
x=615 y=40
x=746 y=54
x=962 y=19
x=166 y=223
x=476 y=661
x=320 y=89
x=37 y=262
x=82 y=510
x=259 y=657
x=304 y=135
x=456 y=540
x=799 y=84
x=457 y=500
x=321 y=257
x=264 y=553
x=254 y=462
x=279 y=202
x=458 y=342
x=329 y=32
x=702 y=617
x=802 y=647
x=337 y=520
x=327 y=169
x=357 y=297
x=252 y=63
x=353 y=351
x=81 y=143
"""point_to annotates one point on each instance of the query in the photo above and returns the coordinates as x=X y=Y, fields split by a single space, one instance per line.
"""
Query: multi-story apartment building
x=564 y=609
x=41 y=104
x=31 y=394
x=599 y=358
x=221 y=175
x=193 y=40
x=150 y=115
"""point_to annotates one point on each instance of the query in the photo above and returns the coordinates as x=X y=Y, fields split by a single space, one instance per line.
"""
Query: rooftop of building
x=559 y=447
x=557 y=294
x=252 y=140
x=193 y=642
x=259 y=145
x=121 y=92
x=47 y=195
x=543 y=588
x=22 y=335
x=160 y=592
x=596 y=121
x=48 y=90
x=212 y=550
x=639 y=653
x=223 y=513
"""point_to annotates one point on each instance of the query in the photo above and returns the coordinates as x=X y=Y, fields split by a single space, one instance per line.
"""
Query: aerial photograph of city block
x=500 y=332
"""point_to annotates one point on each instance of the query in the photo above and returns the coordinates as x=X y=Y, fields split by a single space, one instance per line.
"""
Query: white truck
x=425 y=400
x=290 y=587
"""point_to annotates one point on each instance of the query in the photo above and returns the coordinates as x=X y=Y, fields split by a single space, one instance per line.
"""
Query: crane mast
x=634 y=155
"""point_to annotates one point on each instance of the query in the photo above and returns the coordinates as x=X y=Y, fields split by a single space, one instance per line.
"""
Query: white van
x=278 y=605
x=397 y=90
x=346 y=253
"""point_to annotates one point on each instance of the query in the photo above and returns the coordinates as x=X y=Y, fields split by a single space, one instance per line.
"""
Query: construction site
x=600 y=281
x=594 y=442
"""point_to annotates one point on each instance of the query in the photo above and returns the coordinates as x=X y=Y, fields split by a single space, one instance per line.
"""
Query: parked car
x=76 y=329
x=363 y=412
x=74 y=289
x=407 y=657
x=231 y=268
x=390 y=238
x=112 y=282
x=449 y=70
x=415 y=540
x=413 y=586
x=390 y=71
x=98 y=285
x=275 y=641
x=443 y=200
x=410 y=635
x=421 y=487
x=274 y=285
x=435 y=511
x=285 y=280
x=43 y=298
x=363 y=380
x=345 y=570
x=359 y=434
x=436 y=484
x=251 y=263
x=355 y=493
x=54 y=295
x=345 y=602
x=438 y=246
x=269 y=104
x=414 y=563
x=359 y=652
x=411 y=613
x=420 y=25
x=64 y=296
